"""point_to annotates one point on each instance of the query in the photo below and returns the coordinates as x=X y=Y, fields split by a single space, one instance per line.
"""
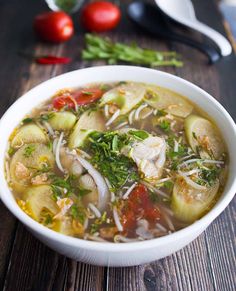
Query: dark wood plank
x=13 y=73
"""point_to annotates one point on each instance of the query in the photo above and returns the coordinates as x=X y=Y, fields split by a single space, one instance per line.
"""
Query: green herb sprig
x=98 y=48
x=116 y=167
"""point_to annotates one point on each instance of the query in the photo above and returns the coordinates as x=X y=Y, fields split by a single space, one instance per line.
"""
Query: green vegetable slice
x=38 y=199
x=29 y=133
x=190 y=204
x=62 y=120
x=125 y=96
x=88 y=122
x=28 y=160
x=203 y=137
x=171 y=102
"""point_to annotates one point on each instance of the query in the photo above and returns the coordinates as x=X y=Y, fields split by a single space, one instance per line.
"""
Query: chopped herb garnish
x=11 y=151
x=165 y=125
x=56 y=192
x=29 y=150
x=87 y=93
x=139 y=134
x=78 y=213
x=46 y=117
x=115 y=147
x=106 y=156
x=95 y=226
x=210 y=175
x=168 y=184
x=27 y=120
x=48 y=219
x=161 y=112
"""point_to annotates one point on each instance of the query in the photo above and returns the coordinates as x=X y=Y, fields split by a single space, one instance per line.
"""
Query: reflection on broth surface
x=116 y=162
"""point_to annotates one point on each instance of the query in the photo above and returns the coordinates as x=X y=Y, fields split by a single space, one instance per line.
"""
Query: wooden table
x=208 y=263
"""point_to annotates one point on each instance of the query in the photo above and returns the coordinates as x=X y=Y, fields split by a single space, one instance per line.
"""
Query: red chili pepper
x=52 y=60
x=139 y=205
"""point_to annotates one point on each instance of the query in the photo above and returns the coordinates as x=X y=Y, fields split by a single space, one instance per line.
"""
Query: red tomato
x=81 y=97
x=87 y=96
x=139 y=205
x=53 y=26
x=60 y=102
x=100 y=16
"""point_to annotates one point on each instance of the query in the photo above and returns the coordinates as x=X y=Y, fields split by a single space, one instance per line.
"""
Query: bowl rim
x=110 y=246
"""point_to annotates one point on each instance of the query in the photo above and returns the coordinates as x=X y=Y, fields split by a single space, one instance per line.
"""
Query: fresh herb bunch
x=106 y=151
x=98 y=48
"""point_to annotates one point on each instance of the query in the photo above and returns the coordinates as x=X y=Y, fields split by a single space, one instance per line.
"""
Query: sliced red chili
x=52 y=60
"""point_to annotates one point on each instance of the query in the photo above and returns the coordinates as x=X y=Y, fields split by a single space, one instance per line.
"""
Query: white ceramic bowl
x=109 y=253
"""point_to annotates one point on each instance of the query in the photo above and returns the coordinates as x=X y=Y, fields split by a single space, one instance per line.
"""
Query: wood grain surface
x=208 y=263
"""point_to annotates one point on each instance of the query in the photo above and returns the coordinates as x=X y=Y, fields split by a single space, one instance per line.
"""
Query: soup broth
x=116 y=162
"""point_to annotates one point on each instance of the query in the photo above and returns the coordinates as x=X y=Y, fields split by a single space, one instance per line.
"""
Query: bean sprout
x=113 y=118
x=57 y=153
x=117 y=219
x=95 y=210
x=126 y=195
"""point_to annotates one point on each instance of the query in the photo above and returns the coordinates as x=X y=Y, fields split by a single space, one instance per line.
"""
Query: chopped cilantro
x=56 y=192
x=97 y=223
x=27 y=120
x=210 y=175
x=77 y=213
x=139 y=134
x=115 y=147
x=87 y=93
x=48 y=219
x=106 y=156
x=168 y=185
x=29 y=150
x=161 y=112
x=11 y=151
x=165 y=125
x=46 y=117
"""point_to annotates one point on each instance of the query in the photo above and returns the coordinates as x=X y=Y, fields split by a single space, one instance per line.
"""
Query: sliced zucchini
x=39 y=198
x=29 y=133
x=188 y=203
x=68 y=227
x=171 y=102
x=28 y=159
x=88 y=122
x=62 y=120
x=63 y=226
x=203 y=136
x=125 y=96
